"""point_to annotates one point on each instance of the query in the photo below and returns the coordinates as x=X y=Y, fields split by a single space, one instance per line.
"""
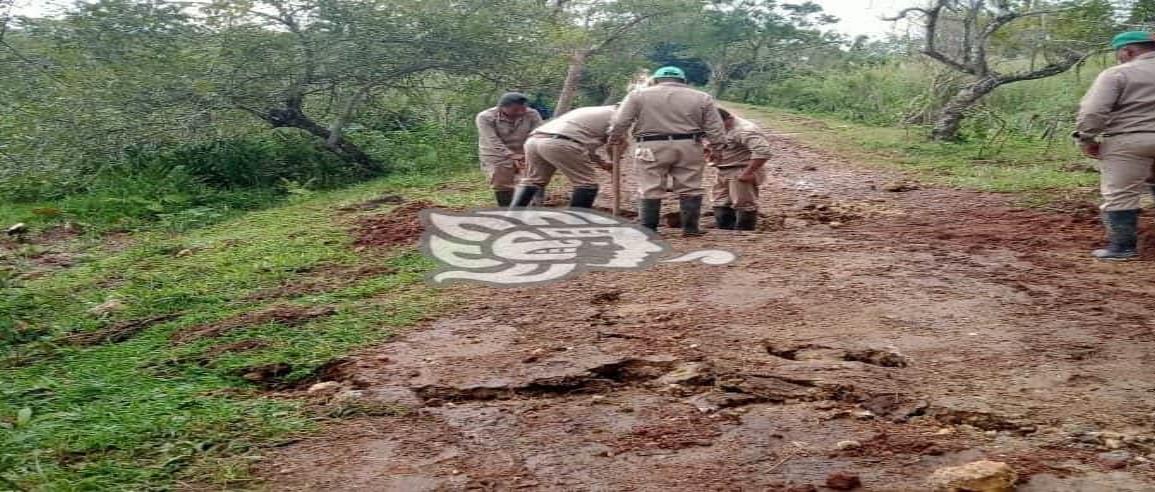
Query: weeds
x=135 y=410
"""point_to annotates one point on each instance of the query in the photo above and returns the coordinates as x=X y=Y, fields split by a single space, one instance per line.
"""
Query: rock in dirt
x=17 y=229
x=899 y=187
x=108 y=307
x=1114 y=459
x=845 y=445
x=716 y=400
x=324 y=388
x=843 y=481
x=689 y=373
x=979 y=476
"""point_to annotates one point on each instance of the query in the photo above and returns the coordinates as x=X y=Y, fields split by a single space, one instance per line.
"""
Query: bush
x=177 y=187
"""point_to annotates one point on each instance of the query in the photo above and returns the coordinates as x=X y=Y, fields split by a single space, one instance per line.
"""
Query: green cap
x=1131 y=37
x=669 y=73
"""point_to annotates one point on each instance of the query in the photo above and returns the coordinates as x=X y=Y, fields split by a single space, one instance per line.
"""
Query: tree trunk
x=947 y=126
x=292 y=117
x=577 y=63
x=717 y=79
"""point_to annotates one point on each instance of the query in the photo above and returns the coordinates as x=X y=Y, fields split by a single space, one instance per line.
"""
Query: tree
x=329 y=57
x=1142 y=14
x=592 y=27
x=737 y=38
x=975 y=24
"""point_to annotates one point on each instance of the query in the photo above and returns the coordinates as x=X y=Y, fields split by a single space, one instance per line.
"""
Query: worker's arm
x=534 y=119
x=625 y=116
x=759 y=154
x=487 y=136
x=1095 y=110
x=712 y=123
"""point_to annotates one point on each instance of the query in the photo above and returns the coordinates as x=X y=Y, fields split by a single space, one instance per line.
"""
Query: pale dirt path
x=1000 y=321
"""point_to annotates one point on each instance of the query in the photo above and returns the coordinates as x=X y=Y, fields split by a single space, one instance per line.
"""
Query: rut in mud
x=881 y=334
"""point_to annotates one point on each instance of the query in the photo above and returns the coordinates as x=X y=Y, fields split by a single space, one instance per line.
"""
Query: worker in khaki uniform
x=669 y=120
x=739 y=159
x=568 y=143
x=1116 y=124
x=501 y=134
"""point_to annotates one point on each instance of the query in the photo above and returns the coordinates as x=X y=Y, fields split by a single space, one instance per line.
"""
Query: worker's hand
x=1091 y=149
x=604 y=165
x=748 y=177
x=519 y=162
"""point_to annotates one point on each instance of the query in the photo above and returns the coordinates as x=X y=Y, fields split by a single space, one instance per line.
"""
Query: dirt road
x=931 y=327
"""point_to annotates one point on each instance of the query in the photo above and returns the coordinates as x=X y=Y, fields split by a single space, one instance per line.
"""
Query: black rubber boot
x=691 y=209
x=524 y=196
x=1123 y=234
x=747 y=220
x=504 y=197
x=583 y=197
x=724 y=217
x=648 y=211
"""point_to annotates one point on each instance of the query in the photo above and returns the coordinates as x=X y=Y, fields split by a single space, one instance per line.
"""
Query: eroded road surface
x=883 y=334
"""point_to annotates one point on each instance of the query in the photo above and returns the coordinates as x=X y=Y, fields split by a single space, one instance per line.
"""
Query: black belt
x=554 y=135
x=675 y=136
x=1105 y=135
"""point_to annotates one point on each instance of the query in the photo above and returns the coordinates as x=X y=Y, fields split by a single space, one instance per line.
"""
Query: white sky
x=857 y=16
x=864 y=16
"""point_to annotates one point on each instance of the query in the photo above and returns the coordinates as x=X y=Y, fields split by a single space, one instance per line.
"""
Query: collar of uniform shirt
x=501 y=115
x=1145 y=56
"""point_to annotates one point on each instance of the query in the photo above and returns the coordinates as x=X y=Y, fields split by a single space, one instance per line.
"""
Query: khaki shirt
x=498 y=136
x=588 y=126
x=743 y=143
x=1121 y=100
x=669 y=108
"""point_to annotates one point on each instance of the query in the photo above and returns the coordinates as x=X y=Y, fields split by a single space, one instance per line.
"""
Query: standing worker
x=1116 y=124
x=501 y=134
x=669 y=122
x=568 y=144
x=739 y=159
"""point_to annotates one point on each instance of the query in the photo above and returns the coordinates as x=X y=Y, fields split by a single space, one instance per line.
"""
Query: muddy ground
x=878 y=333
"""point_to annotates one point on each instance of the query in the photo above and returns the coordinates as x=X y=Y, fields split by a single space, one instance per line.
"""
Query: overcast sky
x=858 y=16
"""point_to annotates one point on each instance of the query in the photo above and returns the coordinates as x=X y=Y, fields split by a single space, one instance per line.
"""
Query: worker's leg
x=650 y=172
x=573 y=160
x=1125 y=173
x=538 y=171
x=501 y=175
x=689 y=164
x=746 y=199
x=724 y=214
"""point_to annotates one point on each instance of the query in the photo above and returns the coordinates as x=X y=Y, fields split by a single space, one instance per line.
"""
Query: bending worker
x=669 y=122
x=1116 y=124
x=501 y=134
x=568 y=143
x=739 y=158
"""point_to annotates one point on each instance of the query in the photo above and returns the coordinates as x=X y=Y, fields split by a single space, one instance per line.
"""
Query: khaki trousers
x=728 y=191
x=501 y=172
x=545 y=156
x=1126 y=170
x=682 y=160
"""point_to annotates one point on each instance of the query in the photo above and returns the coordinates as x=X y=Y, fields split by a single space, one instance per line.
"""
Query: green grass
x=146 y=412
x=1006 y=165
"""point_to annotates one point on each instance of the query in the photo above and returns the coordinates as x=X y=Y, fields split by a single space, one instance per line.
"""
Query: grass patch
x=1013 y=164
x=139 y=413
